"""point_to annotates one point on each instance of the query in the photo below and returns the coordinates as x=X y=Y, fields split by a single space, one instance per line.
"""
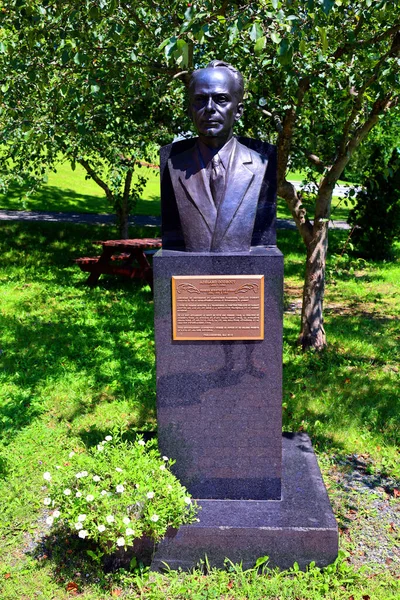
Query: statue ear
x=239 y=111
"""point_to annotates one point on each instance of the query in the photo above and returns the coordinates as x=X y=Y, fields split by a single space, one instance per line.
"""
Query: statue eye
x=221 y=99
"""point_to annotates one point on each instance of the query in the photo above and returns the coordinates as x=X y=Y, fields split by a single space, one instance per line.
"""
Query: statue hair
x=215 y=64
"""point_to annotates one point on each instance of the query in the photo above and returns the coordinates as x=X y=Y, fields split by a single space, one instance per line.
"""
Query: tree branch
x=315 y=160
x=95 y=177
x=349 y=46
x=328 y=182
x=127 y=186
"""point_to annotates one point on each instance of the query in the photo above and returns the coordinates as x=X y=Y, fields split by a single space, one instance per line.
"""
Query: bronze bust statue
x=219 y=184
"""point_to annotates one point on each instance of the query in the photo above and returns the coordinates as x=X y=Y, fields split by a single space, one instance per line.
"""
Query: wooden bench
x=119 y=257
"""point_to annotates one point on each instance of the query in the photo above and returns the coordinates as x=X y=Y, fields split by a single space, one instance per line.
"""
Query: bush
x=376 y=215
x=116 y=493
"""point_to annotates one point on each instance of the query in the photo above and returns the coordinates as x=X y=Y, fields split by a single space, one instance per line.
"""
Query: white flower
x=67 y=492
x=47 y=501
x=110 y=519
x=103 y=493
x=101 y=528
x=126 y=520
x=83 y=533
x=81 y=517
x=84 y=474
x=58 y=467
x=78 y=525
x=100 y=448
x=141 y=443
x=119 y=489
x=49 y=520
x=108 y=438
x=169 y=487
x=162 y=467
x=71 y=454
x=96 y=478
x=150 y=495
x=78 y=494
x=129 y=531
x=90 y=497
x=165 y=458
x=78 y=475
x=187 y=500
x=56 y=514
x=47 y=476
x=120 y=541
x=154 y=518
x=118 y=469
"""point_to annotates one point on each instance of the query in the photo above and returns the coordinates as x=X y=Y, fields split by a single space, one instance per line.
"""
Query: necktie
x=217 y=180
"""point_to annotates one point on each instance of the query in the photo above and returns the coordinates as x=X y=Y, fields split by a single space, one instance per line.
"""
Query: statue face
x=214 y=106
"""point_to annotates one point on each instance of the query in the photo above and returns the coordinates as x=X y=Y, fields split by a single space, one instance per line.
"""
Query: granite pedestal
x=219 y=416
x=219 y=403
x=300 y=527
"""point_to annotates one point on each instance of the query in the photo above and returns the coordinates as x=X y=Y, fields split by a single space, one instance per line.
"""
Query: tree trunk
x=122 y=212
x=312 y=334
x=123 y=206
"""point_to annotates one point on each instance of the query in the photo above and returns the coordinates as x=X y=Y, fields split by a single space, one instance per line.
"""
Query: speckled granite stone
x=219 y=403
x=298 y=528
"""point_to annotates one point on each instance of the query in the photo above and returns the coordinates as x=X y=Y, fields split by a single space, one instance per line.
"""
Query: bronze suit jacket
x=230 y=228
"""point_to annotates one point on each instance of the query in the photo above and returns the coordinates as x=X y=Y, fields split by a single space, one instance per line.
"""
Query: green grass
x=76 y=362
x=69 y=191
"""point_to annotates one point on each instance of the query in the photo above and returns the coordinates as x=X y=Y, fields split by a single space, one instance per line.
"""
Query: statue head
x=216 y=101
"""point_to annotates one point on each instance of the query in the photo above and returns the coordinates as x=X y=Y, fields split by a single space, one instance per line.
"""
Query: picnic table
x=121 y=257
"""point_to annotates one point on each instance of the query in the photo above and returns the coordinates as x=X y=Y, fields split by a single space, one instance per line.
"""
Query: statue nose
x=210 y=105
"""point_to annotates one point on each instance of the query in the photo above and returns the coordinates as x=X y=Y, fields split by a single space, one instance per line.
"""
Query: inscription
x=221 y=307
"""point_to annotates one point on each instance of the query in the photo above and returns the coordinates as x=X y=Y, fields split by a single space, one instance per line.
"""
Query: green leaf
x=94 y=88
x=164 y=43
x=275 y=3
x=256 y=32
x=260 y=44
x=275 y=37
x=233 y=33
x=285 y=52
x=327 y=6
x=302 y=46
x=79 y=58
x=182 y=52
x=324 y=39
x=170 y=47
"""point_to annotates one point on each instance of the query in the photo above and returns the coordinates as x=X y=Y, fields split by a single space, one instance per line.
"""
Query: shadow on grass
x=350 y=387
x=54 y=199
x=71 y=350
x=67 y=348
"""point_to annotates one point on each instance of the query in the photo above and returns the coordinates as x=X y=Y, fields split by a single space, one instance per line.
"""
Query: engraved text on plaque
x=218 y=307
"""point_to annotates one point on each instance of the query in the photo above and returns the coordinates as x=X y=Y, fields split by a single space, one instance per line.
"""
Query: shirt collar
x=224 y=153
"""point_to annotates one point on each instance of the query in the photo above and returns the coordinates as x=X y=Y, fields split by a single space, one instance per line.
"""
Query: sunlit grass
x=68 y=190
x=76 y=362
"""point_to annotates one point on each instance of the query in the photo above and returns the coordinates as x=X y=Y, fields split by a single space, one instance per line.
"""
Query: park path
x=106 y=219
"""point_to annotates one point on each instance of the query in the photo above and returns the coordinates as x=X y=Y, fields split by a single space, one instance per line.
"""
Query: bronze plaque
x=218 y=307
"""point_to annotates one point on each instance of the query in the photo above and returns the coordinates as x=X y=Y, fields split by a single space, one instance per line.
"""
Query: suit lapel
x=239 y=180
x=193 y=180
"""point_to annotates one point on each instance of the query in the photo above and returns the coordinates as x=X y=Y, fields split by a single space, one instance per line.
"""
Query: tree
x=376 y=215
x=104 y=79
x=72 y=86
x=324 y=73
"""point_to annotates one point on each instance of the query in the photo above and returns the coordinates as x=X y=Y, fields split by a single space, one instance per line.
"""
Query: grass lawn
x=69 y=191
x=76 y=362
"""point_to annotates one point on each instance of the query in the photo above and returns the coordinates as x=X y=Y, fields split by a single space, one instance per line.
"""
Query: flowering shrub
x=116 y=493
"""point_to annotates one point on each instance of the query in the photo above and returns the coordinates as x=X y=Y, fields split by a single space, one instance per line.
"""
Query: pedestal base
x=298 y=528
